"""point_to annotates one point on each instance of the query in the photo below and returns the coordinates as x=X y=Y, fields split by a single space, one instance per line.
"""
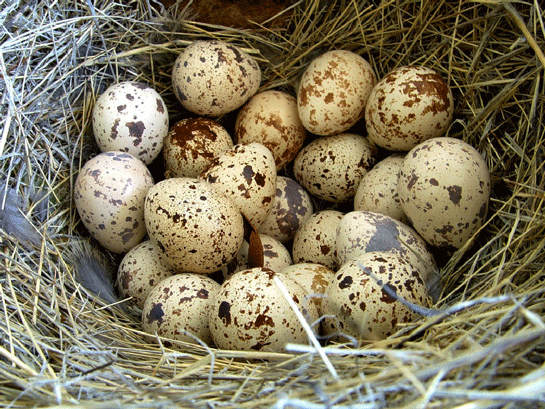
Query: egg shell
x=196 y=228
x=271 y=118
x=291 y=206
x=362 y=232
x=314 y=278
x=212 y=78
x=275 y=257
x=178 y=308
x=377 y=190
x=331 y=167
x=191 y=144
x=315 y=241
x=250 y=312
x=357 y=306
x=109 y=194
x=141 y=269
x=131 y=117
x=408 y=106
x=444 y=187
x=333 y=92
x=246 y=174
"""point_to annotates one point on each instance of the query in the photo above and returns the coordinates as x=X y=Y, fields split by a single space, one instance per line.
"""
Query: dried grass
x=60 y=347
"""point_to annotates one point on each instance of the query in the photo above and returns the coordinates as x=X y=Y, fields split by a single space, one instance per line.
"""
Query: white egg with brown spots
x=246 y=174
x=250 y=313
x=178 y=308
x=211 y=77
x=333 y=92
x=331 y=167
x=270 y=118
x=408 y=106
x=191 y=144
x=196 y=228
x=444 y=187
x=109 y=194
x=357 y=306
x=131 y=117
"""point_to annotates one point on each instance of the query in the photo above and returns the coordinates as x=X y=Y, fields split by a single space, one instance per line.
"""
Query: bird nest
x=60 y=345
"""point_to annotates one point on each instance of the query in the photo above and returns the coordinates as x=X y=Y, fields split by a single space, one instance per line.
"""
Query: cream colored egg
x=331 y=167
x=357 y=306
x=109 y=194
x=178 y=308
x=212 y=78
x=408 y=106
x=271 y=118
x=191 y=144
x=315 y=241
x=291 y=207
x=196 y=228
x=444 y=187
x=131 y=117
x=250 y=313
x=333 y=91
x=377 y=191
x=141 y=269
x=362 y=232
x=246 y=174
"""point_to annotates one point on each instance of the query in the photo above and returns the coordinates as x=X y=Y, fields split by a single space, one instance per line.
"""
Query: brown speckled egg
x=250 y=313
x=178 y=308
x=275 y=257
x=131 y=117
x=212 y=78
x=331 y=167
x=109 y=194
x=142 y=268
x=314 y=278
x=191 y=144
x=315 y=241
x=333 y=91
x=271 y=118
x=362 y=232
x=196 y=228
x=291 y=207
x=246 y=174
x=444 y=187
x=358 y=305
x=408 y=106
x=377 y=191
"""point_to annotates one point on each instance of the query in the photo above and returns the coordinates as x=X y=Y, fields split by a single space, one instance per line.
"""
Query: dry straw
x=59 y=346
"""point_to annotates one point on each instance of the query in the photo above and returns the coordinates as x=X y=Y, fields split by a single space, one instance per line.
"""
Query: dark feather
x=13 y=217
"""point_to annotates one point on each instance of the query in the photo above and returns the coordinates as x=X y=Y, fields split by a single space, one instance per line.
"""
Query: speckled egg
x=275 y=257
x=315 y=241
x=141 y=269
x=331 y=167
x=251 y=313
x=131 y=117
x=271 y=118
x=212 y=78
x=191 y=144
x=408 y=106
x=178 y=308
x=357 y=306
x=314 y=278
x=377 y=191
x=196 y=228
x=362 y=232
x=246 y=174
x=109 y=194
x=291 y=207
x=444 y=187
x=333 y=91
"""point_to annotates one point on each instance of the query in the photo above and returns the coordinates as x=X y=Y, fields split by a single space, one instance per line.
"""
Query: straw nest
x=61 y=346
